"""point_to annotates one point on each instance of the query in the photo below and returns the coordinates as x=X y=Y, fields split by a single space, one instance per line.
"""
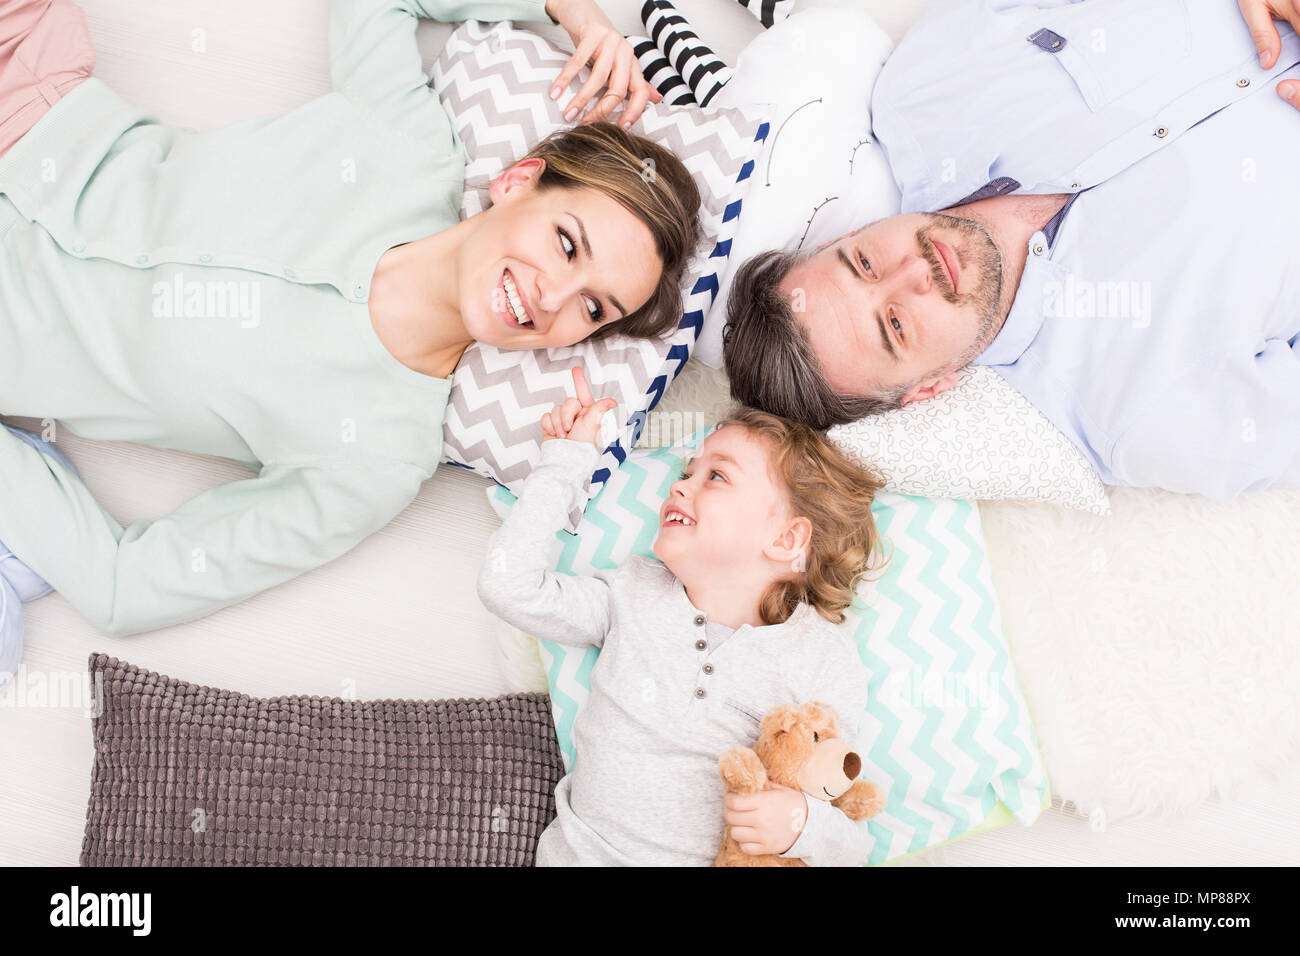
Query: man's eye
x=865 y=264
x=566 y=243
x=898 y=326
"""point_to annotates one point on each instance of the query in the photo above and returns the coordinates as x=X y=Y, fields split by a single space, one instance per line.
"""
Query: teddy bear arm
x=742 y=771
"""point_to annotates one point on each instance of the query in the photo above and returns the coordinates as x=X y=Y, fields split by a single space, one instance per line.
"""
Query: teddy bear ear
x=822 y=715
x=781 y=719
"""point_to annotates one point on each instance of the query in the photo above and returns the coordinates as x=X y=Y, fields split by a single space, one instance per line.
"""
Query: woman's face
x=567 y=261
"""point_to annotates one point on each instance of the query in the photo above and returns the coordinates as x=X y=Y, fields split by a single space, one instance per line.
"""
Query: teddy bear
x=799 y=747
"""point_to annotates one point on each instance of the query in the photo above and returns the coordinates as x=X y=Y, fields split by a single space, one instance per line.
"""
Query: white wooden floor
x=398 y=617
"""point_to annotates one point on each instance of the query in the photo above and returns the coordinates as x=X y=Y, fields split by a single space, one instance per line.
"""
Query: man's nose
x=914 y=274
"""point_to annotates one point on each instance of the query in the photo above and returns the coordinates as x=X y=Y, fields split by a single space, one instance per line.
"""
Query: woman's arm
x=217 y=549
x=375 y=61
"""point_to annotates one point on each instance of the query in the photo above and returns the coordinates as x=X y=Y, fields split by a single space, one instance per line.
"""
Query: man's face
x=880 y=308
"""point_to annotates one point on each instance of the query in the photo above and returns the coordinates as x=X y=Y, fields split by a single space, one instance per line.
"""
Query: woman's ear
x=517 y=179
x=792 y=545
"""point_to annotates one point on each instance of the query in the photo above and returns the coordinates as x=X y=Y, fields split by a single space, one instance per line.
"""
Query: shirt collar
x=691 y=611
x=1026 y=315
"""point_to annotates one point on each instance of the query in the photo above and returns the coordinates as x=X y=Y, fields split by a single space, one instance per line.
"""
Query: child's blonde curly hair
x=834 y=492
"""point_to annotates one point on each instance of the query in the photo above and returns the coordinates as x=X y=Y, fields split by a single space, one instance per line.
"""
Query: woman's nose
x=554 y=291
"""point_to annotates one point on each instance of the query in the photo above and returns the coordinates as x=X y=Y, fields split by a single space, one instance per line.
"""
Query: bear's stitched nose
x=852 y=765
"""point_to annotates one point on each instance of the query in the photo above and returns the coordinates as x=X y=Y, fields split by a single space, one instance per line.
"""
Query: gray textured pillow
x=493 y=81
x=194 y=776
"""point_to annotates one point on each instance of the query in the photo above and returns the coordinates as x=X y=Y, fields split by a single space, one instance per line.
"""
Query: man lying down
x=1117 y=237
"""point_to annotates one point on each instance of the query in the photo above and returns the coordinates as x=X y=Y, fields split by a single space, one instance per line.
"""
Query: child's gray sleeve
x=517 y=582
x=829 y=838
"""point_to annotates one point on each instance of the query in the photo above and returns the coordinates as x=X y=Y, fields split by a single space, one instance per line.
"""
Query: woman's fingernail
x=555 y=92
x=570 y=113
x=626 y=125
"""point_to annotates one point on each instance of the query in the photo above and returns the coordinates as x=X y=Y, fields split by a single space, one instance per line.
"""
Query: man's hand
x=768 y=821
x=613 y=64
x=1259 y=16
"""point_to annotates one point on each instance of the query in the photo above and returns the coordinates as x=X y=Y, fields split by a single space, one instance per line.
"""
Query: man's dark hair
x=768 y=355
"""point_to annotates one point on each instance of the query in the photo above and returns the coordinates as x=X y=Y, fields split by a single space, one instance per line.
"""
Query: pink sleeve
x=45 y=51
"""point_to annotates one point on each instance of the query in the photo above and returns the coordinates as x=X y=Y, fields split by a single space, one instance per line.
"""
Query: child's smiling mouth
x=675 y=517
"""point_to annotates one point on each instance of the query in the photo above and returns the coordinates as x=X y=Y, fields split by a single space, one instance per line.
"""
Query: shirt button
x=78 y=246
x=1074 y=185
x=359 y=291
x=141 y=258
x=699 y=620
x=289 y=272
x=699 y=692
x=206 y=257
x=1162 y=132
x=708 y=668
x=701 y=645
x=1038 y=249
x=1243 y=82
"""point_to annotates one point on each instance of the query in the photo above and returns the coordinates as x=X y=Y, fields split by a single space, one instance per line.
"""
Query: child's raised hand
x=577 y=419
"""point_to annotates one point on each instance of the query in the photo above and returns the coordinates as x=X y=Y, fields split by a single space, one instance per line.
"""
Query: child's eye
x=719 y=474
x=566 y=243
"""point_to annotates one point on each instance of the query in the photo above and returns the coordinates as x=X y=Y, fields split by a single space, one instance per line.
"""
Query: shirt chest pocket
x=1109 y=56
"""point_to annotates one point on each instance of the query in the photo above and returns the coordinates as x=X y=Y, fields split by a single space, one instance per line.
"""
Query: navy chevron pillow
x=493 y=81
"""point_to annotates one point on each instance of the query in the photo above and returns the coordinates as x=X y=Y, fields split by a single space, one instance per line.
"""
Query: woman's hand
x=1259 y=16
x=613 y=64
x=768 y=821
x=578 y=418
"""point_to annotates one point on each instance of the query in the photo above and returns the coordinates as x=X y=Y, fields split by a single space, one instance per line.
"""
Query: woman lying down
x=357 y=292
x=761 y=543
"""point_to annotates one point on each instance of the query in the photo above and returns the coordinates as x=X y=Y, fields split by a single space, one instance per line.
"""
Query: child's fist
x=577 y=419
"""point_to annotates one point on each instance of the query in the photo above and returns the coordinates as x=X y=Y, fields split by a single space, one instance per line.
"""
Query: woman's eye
x=816 y=737
x=684 y=475
x=566 y=243
x=594 y=310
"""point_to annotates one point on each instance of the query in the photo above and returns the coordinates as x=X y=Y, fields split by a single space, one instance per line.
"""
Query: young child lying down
x=761 y=542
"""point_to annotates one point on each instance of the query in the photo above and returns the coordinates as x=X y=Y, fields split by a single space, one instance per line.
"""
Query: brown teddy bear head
x=801 y=748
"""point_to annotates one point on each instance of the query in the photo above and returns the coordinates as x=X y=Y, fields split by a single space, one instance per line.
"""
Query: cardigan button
x=699 y=692
x=78 y=247
x=290 y=273
x=701 y=645
x=708 y=668
x=359 y=291
x=142 y=258
x=699 y=620
x=205 y=257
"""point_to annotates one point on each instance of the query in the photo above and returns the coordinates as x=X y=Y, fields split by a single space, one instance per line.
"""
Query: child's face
x=736 y=510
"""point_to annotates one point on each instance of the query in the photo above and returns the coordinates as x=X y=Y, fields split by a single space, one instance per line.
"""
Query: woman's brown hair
x=834 y=491
x=648 y=181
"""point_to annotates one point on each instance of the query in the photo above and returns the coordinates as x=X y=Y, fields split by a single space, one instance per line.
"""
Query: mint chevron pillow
x=946 y=731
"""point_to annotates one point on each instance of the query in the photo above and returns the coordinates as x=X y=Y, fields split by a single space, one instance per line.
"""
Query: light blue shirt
x=1157 y=322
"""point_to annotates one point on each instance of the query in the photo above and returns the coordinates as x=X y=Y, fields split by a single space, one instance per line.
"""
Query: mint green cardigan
x=208 y=291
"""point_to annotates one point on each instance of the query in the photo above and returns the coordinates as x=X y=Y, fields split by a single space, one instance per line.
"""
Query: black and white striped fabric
x=660 y=74
x=702 y=69
x=768 y=12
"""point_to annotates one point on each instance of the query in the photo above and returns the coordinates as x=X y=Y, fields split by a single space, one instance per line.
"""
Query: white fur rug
x=1158 y=648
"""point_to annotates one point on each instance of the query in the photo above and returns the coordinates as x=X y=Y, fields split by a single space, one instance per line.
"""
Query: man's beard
x=986 y=297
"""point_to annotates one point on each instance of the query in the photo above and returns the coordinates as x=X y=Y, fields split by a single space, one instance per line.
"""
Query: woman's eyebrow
x=586 y=247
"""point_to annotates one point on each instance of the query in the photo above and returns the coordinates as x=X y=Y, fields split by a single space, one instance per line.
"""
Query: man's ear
x=921 y=392
x=521 y=175
x=791 y=546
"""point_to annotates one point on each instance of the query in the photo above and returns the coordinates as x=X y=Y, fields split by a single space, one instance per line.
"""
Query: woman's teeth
x=516 y=304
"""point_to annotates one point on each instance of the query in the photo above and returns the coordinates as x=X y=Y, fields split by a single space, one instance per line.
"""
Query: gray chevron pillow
x=493 y=81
